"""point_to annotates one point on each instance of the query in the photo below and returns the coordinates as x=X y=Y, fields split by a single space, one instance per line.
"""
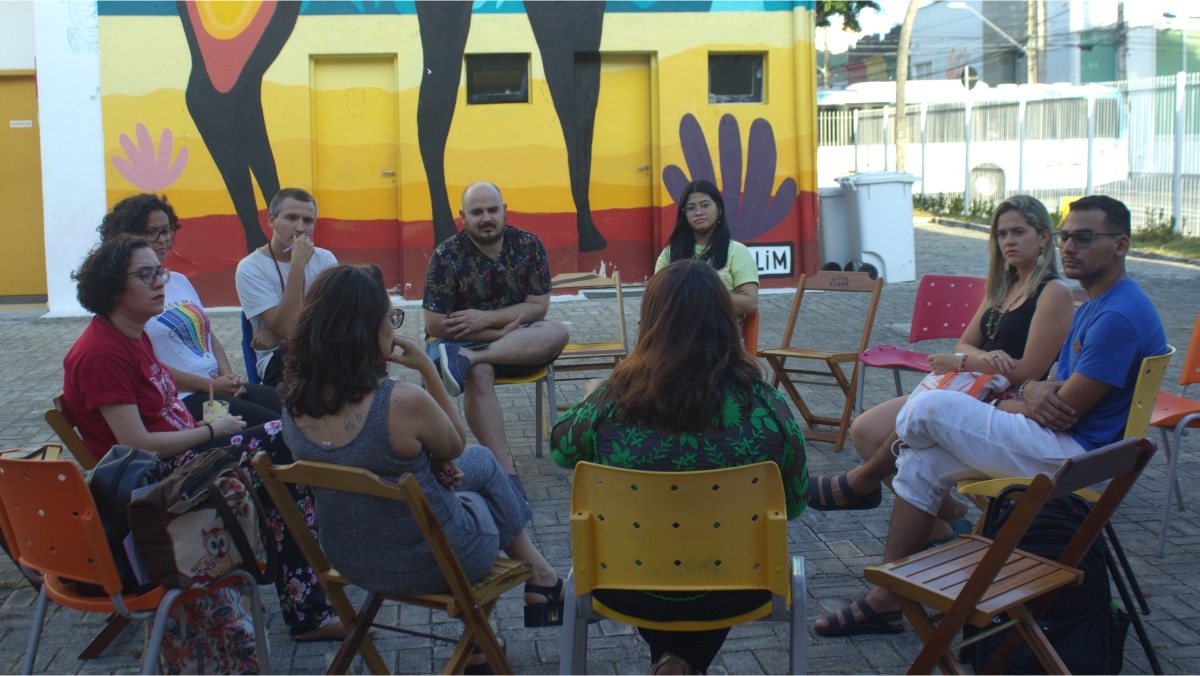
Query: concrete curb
x=1136 y=253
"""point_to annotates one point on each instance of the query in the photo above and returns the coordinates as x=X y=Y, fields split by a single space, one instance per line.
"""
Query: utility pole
x=825 y=68
x=1032 y=31
x=910 y=16
x=1119 y=40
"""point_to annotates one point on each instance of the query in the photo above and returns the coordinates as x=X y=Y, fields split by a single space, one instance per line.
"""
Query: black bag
x=1081 y=624
x=111 y=481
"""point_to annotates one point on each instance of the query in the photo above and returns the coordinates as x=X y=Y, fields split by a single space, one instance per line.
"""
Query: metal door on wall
x=622 y=172
x=355 y=160
x=23 y=256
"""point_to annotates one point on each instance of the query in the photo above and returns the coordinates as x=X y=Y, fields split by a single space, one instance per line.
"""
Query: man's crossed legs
x=473 y=371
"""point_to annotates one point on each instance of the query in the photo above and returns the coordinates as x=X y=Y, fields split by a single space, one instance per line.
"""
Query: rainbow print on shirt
x=188 y=324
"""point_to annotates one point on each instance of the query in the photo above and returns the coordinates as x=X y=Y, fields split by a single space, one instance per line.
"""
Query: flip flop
x=842 y=622
x=820 y=495
x=961 y=527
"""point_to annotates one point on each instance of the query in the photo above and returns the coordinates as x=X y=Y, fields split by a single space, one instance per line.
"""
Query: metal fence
x=1135 y=140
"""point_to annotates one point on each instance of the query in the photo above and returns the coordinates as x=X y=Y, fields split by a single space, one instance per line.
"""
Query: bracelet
x=1021 y=389
x=962 y=360
x=211 y=434
x=996 y=402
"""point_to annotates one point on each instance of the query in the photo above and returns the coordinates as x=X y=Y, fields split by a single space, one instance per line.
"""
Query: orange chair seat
x=1169 y=409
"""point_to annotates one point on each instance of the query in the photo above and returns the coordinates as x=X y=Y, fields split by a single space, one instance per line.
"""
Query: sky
x=1137 y=13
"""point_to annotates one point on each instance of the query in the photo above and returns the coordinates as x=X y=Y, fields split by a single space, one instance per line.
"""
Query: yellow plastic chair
x=544 y=378
x=712 y=530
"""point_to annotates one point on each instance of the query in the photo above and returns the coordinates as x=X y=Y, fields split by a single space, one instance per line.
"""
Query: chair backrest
x=1145 y=391
x=1191 y=361
x=1122 y=462
x=831 y=280
x=248 y=353
x=54 y=523
x=750 y=333
x=944 y=306
x=592 y=280
x=60 y=421
x=360 y=481
x=706 y=530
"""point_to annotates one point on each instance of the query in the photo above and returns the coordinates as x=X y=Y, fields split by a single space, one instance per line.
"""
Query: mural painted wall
x=365 y=103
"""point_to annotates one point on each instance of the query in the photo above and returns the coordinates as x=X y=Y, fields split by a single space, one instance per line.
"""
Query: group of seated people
x=324 y=334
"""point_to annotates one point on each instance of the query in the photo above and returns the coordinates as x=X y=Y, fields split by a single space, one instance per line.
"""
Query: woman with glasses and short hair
x=116 y=391
x=182 y=334
x=701 y=232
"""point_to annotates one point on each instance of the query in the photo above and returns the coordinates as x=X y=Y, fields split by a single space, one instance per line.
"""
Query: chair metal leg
x=539 y=420
x=159 y=629
x=1134 y=617
x=798 y=643
x=572 y=651
x=858 y=394
x=1172 y=478
x=35 y=631
x=896 y=377
x=260 y=626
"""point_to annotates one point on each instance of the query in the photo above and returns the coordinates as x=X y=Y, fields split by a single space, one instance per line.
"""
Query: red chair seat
x=890 y=356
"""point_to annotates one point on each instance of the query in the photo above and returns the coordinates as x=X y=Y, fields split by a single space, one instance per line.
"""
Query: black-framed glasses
x=148 y=274
x=1083 y=238
x=693 y=208
x=155 y=234
x=397 y=318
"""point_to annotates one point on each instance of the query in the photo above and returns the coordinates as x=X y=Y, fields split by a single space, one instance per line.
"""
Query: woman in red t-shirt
x=117 y=392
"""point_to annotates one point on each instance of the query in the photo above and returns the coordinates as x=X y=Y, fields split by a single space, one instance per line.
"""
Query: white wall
x=16 y=36
x=73 y=197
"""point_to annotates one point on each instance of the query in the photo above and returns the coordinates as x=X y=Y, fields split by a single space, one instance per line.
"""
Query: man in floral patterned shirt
x=487 y=291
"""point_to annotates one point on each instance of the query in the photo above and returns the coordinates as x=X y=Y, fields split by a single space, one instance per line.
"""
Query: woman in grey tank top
x=340 y=407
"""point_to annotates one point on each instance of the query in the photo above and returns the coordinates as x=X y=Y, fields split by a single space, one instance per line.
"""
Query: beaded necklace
x=991 y=325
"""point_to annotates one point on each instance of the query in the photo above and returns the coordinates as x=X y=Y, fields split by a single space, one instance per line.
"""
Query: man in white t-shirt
x=272 y=280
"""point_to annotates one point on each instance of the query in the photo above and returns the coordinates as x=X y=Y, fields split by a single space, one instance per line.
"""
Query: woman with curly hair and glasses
x=117 y=392
x=688 y=385
x=182 y=333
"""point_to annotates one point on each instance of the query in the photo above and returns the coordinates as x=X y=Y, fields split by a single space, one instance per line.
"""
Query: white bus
x=1023 y=137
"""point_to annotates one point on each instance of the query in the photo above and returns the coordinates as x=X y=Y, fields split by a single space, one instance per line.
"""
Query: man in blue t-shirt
x=949 y=436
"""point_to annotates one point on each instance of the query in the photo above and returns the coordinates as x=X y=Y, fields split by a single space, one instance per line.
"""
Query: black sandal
x=842 y=623
x=548 y=614
x=483 y=668
x=820 y=495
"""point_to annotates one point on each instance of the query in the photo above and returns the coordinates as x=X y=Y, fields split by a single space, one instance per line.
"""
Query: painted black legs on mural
x=443 y=27
x=224 y=98
x=568 y=37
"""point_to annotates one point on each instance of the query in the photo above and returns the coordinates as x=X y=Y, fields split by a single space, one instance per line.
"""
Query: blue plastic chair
x=248 y=352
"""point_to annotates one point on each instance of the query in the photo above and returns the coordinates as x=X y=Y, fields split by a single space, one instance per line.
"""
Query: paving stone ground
x=836 y=545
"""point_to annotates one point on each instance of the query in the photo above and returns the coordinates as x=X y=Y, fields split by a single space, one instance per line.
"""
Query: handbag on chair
x=200 y=522
x=112 y=482
x=982 y=386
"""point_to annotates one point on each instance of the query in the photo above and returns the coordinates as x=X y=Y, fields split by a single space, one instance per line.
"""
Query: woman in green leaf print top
x=689 y=398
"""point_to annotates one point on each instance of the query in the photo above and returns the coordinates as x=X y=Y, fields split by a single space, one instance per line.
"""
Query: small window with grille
x=497 y=78
x=735 y=78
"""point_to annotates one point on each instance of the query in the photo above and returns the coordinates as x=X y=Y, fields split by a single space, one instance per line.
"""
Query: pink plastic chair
x=944 y=306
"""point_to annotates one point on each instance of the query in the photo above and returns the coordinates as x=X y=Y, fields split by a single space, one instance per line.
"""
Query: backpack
x=122 y=470
x=1083 y=624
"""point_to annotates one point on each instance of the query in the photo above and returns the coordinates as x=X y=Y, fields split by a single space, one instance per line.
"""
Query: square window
x=497 y=78
x=735 y=78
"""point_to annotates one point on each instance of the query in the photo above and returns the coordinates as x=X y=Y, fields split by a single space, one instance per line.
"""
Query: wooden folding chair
x=471 y=601
x=833 y=374
x=64 y=427
x=710 y=530
x=974 y=579
x=750 y=333
x=581 y=361
x=50 y=519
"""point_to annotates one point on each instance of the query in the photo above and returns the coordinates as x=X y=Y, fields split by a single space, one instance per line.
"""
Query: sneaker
x=454 y=368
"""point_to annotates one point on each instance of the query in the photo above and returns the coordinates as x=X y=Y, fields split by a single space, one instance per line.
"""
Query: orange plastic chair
x=53 y=523
x=1179 y=412
x=944 y=306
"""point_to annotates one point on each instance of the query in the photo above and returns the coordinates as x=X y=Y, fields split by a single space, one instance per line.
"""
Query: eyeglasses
x=700 y=206
x=155 y=234
x=147 y=275
x=397 y=318
x=1083 y=238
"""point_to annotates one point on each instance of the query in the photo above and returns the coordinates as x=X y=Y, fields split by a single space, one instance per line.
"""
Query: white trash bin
x=879 y=210
x=833 y=230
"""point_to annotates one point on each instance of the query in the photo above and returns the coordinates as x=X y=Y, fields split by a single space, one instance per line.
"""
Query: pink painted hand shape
x=146 y=168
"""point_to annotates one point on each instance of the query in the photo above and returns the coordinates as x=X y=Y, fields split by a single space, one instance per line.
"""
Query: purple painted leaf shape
x=148 y=168
x=750 y=207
